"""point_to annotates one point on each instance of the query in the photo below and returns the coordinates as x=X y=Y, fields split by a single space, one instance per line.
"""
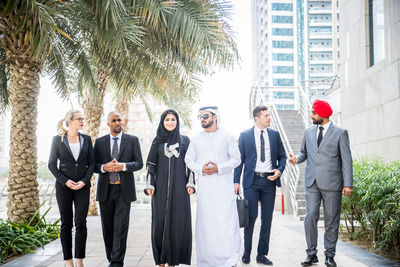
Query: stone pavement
x=287 y=246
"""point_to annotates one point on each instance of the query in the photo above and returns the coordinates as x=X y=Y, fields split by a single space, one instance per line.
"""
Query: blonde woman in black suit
x=72 y=163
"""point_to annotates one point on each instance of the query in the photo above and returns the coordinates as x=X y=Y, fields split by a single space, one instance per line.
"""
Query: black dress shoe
x=263 y=260
x=311 y=259
x=245 y=259
x=330 y=262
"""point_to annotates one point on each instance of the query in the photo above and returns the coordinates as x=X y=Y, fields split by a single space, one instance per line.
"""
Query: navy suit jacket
x=247 y=147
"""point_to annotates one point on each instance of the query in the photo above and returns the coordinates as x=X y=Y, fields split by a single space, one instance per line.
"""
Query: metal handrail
x=292 y=173
x=305 y=106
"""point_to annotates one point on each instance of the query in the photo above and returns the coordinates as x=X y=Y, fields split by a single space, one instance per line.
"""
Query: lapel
x=326 y=136
x=270 y=142
x=253 y=140
x=122 y=145
x=108 y=148
x=81 y=143
x=313 y=136
x=65 y=141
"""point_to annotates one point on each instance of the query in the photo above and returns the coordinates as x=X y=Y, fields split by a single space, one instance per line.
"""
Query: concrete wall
x=368 y=101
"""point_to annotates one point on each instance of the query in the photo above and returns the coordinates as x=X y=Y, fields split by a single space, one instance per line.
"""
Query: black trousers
x=262 y=190
x=115 y=223
x=66 y=198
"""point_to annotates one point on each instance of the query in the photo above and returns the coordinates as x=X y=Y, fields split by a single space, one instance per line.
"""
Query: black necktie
x=321 y=129
x=262 y=155
x=114 y=154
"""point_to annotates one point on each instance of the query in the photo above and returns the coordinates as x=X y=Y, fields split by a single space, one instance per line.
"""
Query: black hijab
x=164 y=136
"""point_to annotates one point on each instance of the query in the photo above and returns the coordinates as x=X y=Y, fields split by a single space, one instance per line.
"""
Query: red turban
x=322 y=108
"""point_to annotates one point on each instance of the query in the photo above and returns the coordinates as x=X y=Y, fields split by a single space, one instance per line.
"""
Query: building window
x=376 y=31
x=282 y=19
x=283 y=95
x=282 y=44
x=282 y=32
x=282 y=57
x=284 y=106
x=282 y=69
x=282 y=7
x=283 y=82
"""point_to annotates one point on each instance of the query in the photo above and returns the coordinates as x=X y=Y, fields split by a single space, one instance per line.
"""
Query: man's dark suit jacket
x=129 y=153
x=69 y=168
x=247 y=147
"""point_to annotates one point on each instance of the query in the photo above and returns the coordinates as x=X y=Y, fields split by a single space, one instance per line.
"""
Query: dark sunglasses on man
x=203 y=117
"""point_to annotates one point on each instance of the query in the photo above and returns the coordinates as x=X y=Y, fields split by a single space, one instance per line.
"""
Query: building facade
x=295 y=43
x=320 y=43
x=367 y=102
x=274 y=51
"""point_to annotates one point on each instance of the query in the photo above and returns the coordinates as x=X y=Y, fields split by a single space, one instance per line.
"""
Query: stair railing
x=292 y=173
x=305 y=106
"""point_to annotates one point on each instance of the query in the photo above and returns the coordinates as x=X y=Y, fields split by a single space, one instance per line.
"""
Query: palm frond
x=4 y=78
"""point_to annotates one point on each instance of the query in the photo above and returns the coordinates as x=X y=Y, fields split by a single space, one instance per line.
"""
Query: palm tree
x=33 y=39
x=180 y=39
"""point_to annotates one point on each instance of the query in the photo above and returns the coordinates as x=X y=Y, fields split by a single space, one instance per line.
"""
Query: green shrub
x=20 y=238
x=375 y=203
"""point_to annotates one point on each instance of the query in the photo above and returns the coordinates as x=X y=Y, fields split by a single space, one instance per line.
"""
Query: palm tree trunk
x=23 y=193
x=93 y=110
x=122 y=107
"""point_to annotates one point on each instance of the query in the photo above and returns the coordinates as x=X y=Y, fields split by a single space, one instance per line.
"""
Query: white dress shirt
x=265 y=166
x=326 y=127
x=119 y=136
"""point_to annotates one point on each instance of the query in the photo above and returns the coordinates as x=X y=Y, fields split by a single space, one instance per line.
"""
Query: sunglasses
x=204 y=117
x=79 y=119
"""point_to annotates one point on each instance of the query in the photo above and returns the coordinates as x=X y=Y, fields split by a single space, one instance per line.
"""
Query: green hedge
x=20 y=238
x=375 y=203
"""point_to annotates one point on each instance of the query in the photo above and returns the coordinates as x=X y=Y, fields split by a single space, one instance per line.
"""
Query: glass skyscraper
x=294 y=44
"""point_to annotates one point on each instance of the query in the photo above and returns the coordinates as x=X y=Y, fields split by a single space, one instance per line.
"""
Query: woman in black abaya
x=169 y=184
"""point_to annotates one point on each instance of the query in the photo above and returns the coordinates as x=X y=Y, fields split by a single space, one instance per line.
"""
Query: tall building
x=274 y=50
x=319 y=38
x=367 y=103
x=295 y=43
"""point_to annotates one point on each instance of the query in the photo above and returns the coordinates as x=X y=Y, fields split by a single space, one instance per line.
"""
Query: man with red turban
x=329 y=174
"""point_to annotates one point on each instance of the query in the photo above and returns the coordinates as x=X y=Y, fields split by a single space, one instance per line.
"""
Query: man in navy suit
x=264 y=160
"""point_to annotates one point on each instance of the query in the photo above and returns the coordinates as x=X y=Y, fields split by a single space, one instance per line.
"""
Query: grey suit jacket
x=330 y=165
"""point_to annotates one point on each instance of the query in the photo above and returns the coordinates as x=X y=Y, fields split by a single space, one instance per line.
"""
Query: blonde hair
x=62 y=125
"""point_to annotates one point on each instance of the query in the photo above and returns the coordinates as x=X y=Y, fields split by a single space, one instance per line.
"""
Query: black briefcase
x=243 y=211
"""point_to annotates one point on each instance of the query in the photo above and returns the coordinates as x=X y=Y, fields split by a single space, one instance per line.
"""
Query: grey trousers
x=332 y=207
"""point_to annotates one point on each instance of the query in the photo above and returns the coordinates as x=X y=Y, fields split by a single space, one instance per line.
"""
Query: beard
x=315 y=121
x=115 y=130
x=207 y=125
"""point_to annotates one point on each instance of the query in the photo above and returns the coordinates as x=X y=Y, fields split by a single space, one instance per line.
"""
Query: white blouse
x=75 y=148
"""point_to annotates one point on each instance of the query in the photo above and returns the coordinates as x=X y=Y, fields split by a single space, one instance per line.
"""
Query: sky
x=229 y=90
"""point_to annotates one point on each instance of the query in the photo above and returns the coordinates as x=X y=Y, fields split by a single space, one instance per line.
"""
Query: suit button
x=76 y=164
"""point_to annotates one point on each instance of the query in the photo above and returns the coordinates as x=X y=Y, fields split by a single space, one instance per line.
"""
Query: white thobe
x=217 y=223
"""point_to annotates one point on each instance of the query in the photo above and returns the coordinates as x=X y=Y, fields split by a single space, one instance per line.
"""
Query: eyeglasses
x=203 y=117
x=78 y=119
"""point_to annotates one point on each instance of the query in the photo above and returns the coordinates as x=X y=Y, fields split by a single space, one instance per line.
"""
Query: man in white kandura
x=213 y=155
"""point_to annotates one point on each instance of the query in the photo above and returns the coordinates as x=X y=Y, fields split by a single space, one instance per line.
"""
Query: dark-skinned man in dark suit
x=117 y=155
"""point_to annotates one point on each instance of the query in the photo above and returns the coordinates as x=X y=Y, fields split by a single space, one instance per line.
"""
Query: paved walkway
x=287 y=246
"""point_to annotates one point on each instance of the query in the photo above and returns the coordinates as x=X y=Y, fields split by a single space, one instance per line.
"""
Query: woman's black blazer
x=69 y=168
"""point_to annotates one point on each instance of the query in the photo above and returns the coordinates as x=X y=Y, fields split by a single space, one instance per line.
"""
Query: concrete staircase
x=293 y=124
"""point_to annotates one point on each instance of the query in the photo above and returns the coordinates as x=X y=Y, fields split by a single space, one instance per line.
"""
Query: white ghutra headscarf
x=214 y=110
